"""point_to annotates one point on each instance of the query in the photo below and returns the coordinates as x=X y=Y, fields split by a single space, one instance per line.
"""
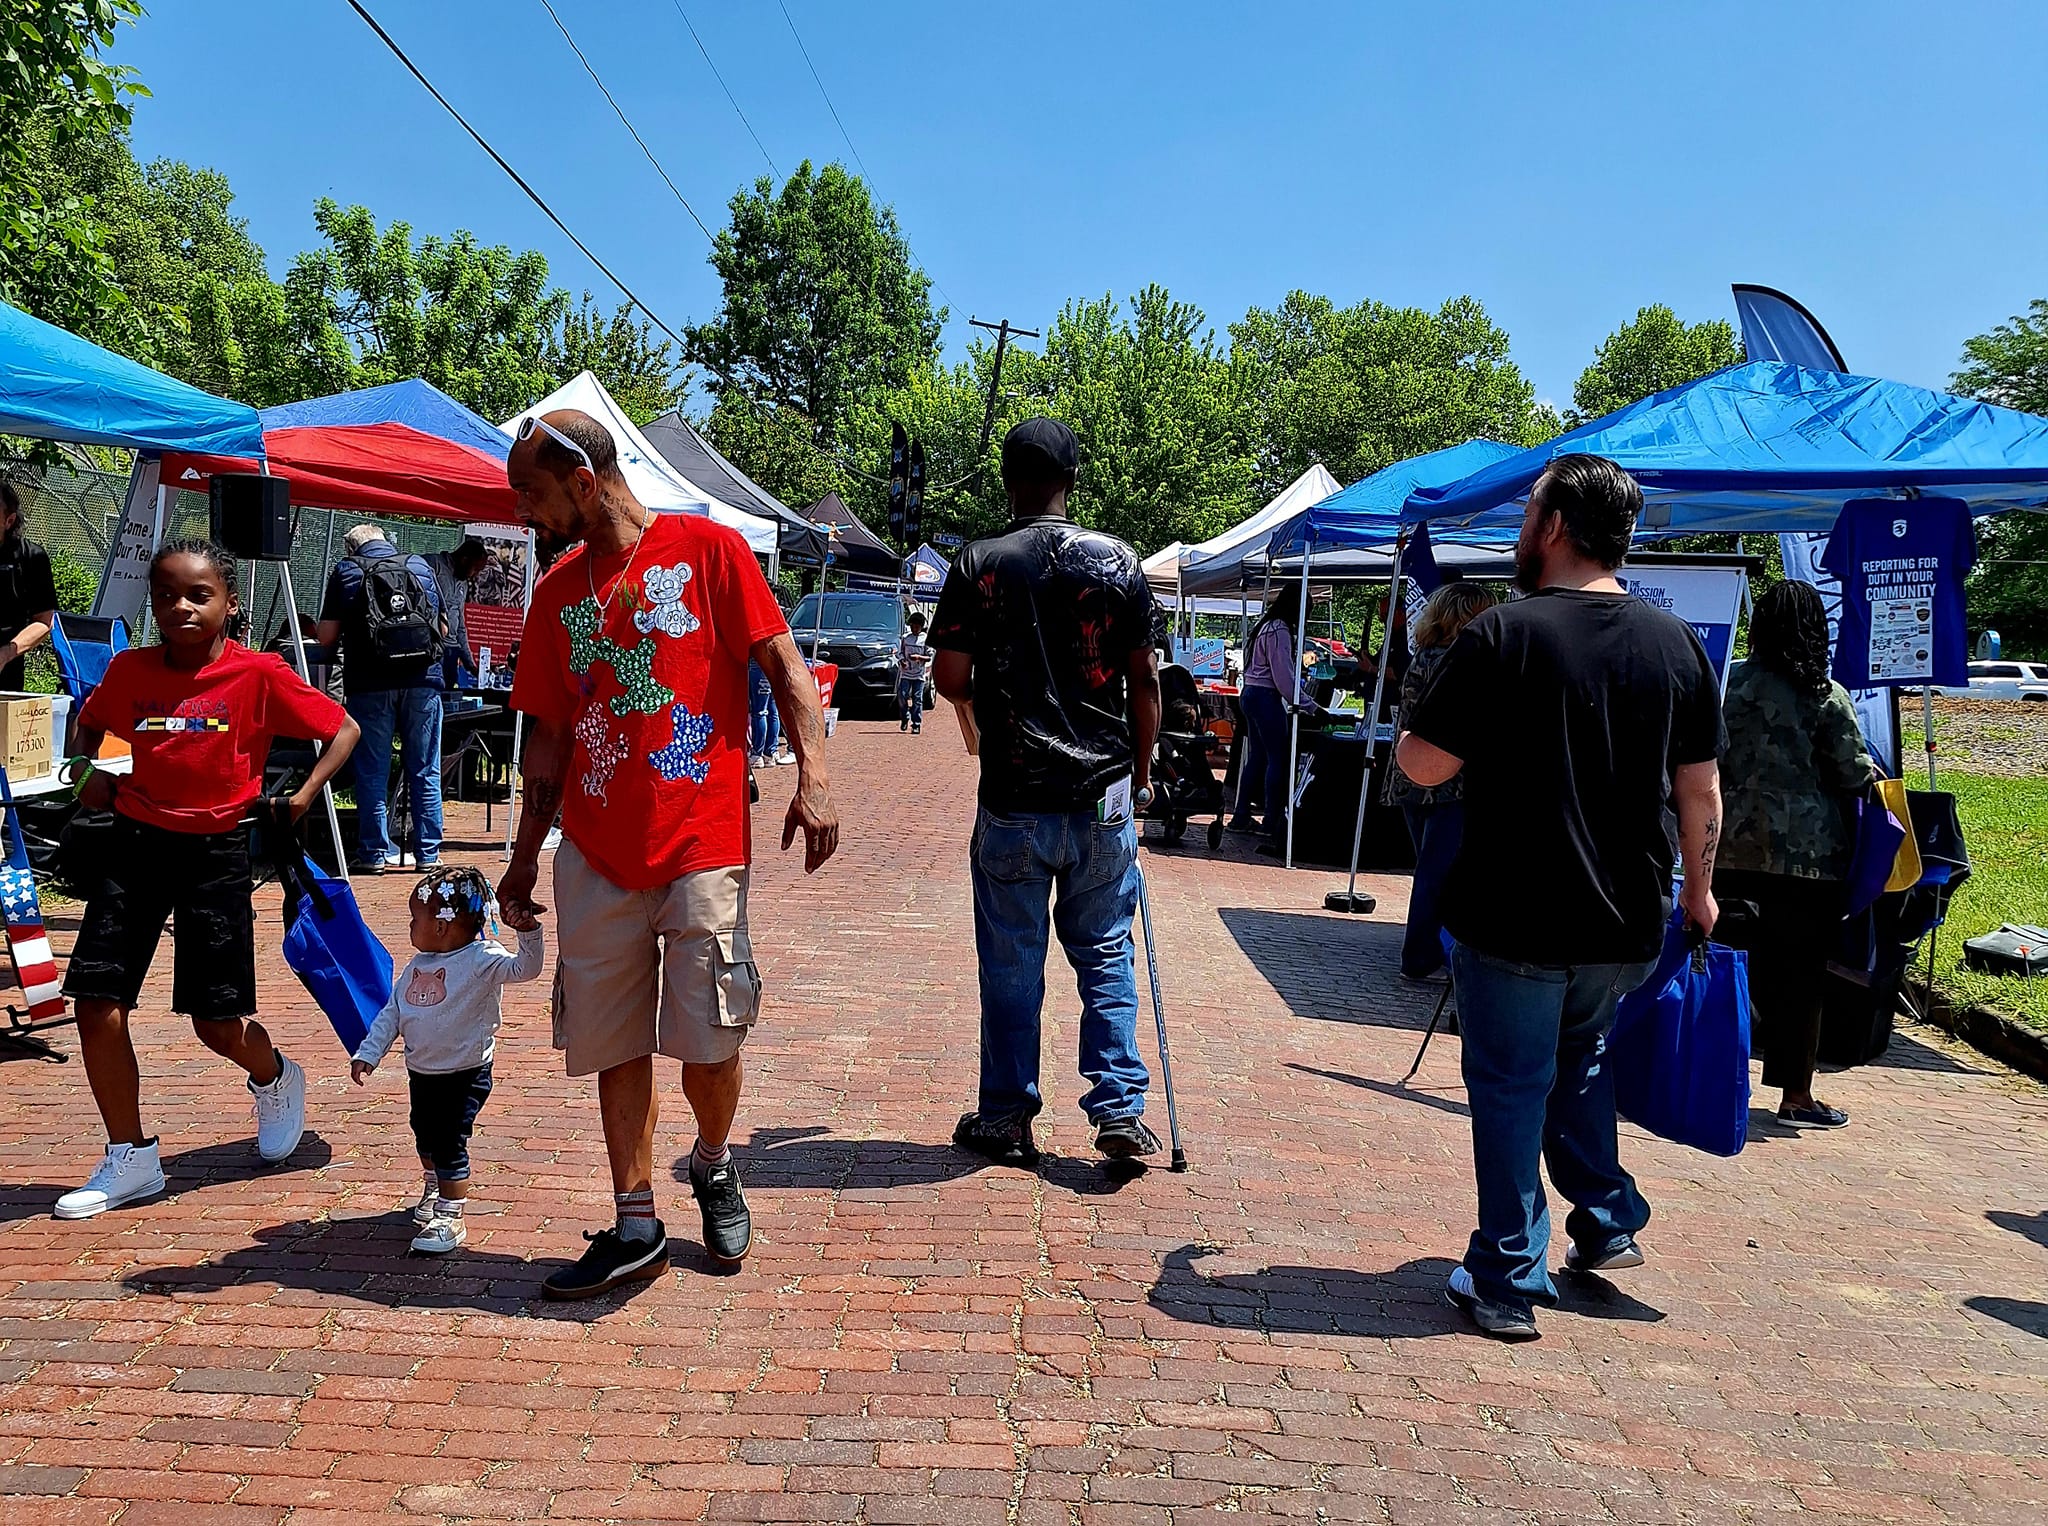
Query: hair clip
x=445 y=914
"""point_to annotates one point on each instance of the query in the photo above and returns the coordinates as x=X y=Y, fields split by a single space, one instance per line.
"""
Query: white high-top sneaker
x=280 y=1111
x=128 y=1172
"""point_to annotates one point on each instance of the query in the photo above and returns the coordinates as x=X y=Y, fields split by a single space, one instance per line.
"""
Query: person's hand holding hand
x=515 y=892
x=360 y=1071
x=811 y=812
x=520 y=918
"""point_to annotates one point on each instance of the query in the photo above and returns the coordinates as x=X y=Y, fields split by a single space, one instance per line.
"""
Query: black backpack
x=398 y=611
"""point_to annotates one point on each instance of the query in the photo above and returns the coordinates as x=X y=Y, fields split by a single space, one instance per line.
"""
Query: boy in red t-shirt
x=199 y=713
x=633 y=668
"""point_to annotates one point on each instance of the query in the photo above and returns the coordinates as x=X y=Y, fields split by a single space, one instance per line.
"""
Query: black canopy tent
x=798 y=540
x=855 y=548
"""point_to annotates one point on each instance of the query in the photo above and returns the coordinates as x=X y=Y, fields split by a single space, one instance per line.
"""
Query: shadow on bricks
x=2031 y=1226
x=2021 y=1313
x=813 y=1158
x=1392 y=1089
x=370 y=1260
x=1314 y=962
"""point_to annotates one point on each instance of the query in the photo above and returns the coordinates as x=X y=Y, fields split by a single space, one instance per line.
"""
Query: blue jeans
x=910 y=702
x=1267 y=714
x=414 y=717
x=764 y=724
x=1534 y=1050
x=1017 y=862
x=1437 y=830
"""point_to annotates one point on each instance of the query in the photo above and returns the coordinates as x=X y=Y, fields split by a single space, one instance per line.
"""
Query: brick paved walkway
x=1848 y=1327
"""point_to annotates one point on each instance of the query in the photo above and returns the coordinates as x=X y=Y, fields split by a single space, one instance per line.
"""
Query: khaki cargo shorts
x=667 y=971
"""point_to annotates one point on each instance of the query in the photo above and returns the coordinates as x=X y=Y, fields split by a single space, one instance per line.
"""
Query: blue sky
x=1565 y=163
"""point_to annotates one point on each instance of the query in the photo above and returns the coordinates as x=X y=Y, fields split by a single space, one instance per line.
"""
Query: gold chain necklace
x=590 y=571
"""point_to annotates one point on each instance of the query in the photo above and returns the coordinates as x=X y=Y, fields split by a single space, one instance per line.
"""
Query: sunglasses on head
x=532 y=422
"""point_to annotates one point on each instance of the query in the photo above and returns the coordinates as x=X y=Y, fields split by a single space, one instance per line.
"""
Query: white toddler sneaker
x=440 y=1237
x=127 y=1174
x=280 y=1111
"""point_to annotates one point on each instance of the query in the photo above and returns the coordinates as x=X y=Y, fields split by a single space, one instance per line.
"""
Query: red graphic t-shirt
x=643 y=655
x=200 y=738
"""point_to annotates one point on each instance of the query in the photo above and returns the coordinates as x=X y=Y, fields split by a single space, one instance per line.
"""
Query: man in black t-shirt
x=1580 y=717
x=28 y=592
x=1047 y=631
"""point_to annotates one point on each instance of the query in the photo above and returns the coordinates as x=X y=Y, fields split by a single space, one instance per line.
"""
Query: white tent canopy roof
x=1161 y=566
x=1218 y=561
x=654 y=482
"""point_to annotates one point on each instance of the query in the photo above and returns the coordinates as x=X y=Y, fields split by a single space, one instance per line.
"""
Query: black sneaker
x=608 y=1263
x=1004 y=1138
x=1126 y=1139
x=1498 y=1320
x=1819 y=1116
x=728 y=1226
x=1618 y=1256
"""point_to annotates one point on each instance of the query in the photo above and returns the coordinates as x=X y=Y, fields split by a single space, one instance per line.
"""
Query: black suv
x=859 y=632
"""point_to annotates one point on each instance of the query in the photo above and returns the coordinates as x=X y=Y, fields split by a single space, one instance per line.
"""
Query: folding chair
x=84 y=645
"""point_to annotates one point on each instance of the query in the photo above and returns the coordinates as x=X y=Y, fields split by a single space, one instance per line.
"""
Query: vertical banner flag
x=1901 y=564
x=495 y=611
x=1774 y=327
x=913 y=495
x=124 y=586
x=1424 y=577
x=1709 y=599
x=899 y=479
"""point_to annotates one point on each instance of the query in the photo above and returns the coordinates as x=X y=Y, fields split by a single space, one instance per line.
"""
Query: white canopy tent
x=1162 y=569
x=654 y=482
x=1219 y=564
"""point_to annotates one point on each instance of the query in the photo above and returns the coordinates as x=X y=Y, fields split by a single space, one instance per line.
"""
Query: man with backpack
x=385 y=610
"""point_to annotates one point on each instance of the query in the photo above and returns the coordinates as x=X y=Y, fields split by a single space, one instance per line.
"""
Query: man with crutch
x=1047 y=630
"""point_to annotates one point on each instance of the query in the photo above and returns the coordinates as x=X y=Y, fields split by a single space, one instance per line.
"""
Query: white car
x=2005 y=680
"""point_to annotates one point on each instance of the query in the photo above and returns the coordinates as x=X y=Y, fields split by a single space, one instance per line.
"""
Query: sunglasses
x=532 y=422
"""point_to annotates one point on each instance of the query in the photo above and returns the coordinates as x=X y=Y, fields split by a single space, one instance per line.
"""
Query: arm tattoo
x=1710 y=846
x=544 y=798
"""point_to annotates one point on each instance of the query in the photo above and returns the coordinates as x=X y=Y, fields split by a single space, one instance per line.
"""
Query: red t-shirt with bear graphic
x=643 y=655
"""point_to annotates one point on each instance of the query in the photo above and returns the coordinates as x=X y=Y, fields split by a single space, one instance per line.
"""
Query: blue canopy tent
x=416 y=404
x=56 y=386
x=1770 y=446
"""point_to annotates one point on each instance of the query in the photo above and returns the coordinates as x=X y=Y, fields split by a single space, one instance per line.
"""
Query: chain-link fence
x=74 y=513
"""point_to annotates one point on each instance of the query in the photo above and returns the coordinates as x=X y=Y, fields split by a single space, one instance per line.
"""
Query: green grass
x=2005 y=822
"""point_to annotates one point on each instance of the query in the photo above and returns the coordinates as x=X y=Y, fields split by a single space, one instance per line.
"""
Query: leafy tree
x=2008 y=592
x=638 y=371
x=1362 y=387
x=822 y=305
x=54 y=90
x=2009 y=365
x=1654 y=350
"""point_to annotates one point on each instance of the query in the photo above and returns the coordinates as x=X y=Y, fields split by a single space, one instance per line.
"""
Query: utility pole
x=1004 y=333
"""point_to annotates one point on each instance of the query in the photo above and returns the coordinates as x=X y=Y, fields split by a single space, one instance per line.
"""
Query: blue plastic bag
x=329 y=946
x=1680 y=1046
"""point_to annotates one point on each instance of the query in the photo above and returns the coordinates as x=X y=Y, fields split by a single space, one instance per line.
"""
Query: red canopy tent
x=372 y=469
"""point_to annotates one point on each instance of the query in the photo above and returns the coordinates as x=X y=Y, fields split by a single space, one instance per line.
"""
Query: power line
x=727 y=89
x=823 y=91
x=621 y=114
x=517 y=179
x=870 y=179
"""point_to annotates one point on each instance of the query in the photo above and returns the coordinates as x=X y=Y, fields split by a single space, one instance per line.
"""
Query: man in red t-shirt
x=633 y=669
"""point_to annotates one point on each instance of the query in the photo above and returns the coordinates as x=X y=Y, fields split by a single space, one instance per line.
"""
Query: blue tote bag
x=1680 y=1046
x=326 y=942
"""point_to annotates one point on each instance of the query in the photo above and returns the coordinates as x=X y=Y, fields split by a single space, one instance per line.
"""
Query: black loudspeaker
x=252 y=516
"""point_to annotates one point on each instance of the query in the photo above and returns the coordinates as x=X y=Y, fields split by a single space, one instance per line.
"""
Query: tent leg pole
x=1351 y=900
x=291 y=606
x=1927 y=728
x=512 y=786
x=1293 y=692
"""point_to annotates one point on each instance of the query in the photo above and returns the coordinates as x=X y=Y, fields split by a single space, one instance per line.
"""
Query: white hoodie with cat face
x=447 y=1006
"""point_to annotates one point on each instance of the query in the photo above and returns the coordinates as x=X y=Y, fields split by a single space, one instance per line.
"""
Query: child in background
x=913 y=663
x=446 y=1006
x=198 y=712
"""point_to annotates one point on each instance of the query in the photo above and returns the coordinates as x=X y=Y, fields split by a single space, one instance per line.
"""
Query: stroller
x=1183 y=765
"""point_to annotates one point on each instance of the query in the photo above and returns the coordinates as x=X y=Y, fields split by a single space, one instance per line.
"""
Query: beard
x=1528 y=568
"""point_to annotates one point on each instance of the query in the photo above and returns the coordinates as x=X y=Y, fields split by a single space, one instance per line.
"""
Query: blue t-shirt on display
x=1901 y=563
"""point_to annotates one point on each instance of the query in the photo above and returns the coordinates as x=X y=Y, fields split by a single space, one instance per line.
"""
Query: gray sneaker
x=1498 y=1320
x=1619 y=1256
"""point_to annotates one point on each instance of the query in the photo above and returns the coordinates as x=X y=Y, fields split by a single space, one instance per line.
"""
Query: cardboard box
x=27 y=749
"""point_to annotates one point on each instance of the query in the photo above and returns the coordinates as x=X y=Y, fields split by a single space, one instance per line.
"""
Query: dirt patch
x=2008 y=738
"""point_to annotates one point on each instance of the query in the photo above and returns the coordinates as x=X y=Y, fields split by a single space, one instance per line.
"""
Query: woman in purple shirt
x=1269 y=658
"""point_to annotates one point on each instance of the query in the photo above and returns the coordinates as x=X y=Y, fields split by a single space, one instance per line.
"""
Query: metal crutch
x=1180 y=1160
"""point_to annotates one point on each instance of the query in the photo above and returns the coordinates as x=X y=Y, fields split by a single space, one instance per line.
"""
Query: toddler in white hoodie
x=445 y=1004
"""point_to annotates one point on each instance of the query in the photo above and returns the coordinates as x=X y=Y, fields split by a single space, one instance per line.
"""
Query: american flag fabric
x=29 y=943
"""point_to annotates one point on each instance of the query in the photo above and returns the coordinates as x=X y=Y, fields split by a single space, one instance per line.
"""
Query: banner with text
x=1709 y=599
x=124 y=586
x=1801 y=555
